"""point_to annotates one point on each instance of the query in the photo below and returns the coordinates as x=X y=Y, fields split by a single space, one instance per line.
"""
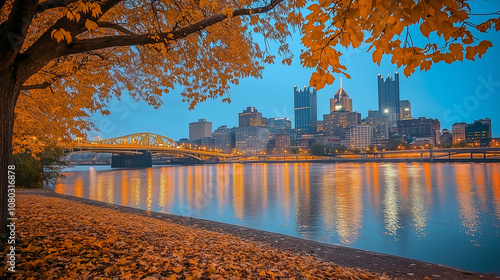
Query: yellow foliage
x=383 y=25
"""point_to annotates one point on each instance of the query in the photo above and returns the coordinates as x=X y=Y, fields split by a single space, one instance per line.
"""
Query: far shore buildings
x=360 y=136
x=251 y=117
x=340 y=100
x=405 y=110
x=251 y=139
x=421 y=131
x=223 y=138
x=458 y=132
x=477 y=133
x=305 y=110
x=388 y=98
x=392 y=123
x=200 y=129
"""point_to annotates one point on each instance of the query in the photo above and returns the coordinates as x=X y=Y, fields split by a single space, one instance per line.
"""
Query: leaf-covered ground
x=61 y=239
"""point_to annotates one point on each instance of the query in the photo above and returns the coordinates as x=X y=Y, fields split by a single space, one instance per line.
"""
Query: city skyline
x=124 y=110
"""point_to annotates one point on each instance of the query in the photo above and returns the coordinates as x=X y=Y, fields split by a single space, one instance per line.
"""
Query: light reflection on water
x=441 y=213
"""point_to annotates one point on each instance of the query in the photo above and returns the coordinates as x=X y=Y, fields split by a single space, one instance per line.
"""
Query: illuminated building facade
x=251 y=139
x=360 y=136
x=337 y=123
x=305 y=110
x=458 y=131
x=340 y=100
x=251 y=117
x=388 y=98
x=478 y=133
x=421 y=130
x=405 y=110
x=222 y=136
x=200 y=129
x=279 y=125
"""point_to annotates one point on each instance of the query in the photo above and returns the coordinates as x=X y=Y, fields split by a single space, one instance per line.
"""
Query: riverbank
x=68 y=236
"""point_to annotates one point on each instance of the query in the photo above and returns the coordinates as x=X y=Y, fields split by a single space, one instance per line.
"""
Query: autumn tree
x=62 y=60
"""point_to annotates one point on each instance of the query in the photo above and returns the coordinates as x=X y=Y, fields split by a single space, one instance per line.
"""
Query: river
x=447 y=213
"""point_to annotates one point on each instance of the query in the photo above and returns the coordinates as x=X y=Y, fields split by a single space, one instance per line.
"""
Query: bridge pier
x=131 y=160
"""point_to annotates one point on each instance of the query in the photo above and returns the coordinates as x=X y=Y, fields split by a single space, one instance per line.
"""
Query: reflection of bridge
x=135 y=150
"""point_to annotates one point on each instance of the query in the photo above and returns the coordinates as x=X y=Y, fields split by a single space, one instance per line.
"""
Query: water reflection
x=468 y=211
x=415 y=210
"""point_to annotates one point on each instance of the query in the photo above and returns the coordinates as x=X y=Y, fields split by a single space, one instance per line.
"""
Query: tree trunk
x=9 y=91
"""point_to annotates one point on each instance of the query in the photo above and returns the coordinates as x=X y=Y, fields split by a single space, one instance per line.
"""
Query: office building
x=360 y=136
x=320 y=127
x=200 y=129
x=458 y=132
x=222 y=136
x=205 y=142
x=280 y=143
x=446 y=138
x=405 y=110
x=337 y=123
x=379 y=123
x=305 y=110
x=340 y=100
x=478 y=133
x=388 y=98
x=251 y=139
x=279 y=125
x=421 y=131
x=251 y=117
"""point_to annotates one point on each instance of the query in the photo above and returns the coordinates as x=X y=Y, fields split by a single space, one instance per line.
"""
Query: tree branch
x=37 y=86
x=115 y=26
x=13 y=30
x=45 y=48
x=84 y=45
x=51 y=4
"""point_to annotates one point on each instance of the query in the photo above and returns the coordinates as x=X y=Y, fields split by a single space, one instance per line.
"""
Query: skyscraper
x=251 y=117
x=388 y=98
x=341 y=100
x=306 y=110
x=379 y=123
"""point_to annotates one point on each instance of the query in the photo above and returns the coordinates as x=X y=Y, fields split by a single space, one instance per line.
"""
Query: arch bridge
x=135 y=150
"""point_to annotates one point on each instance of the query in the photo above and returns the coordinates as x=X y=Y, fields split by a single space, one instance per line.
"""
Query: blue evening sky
x=461 y=91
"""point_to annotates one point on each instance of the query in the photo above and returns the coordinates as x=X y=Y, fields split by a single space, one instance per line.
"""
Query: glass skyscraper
x=306 y=110
x=388 y=98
